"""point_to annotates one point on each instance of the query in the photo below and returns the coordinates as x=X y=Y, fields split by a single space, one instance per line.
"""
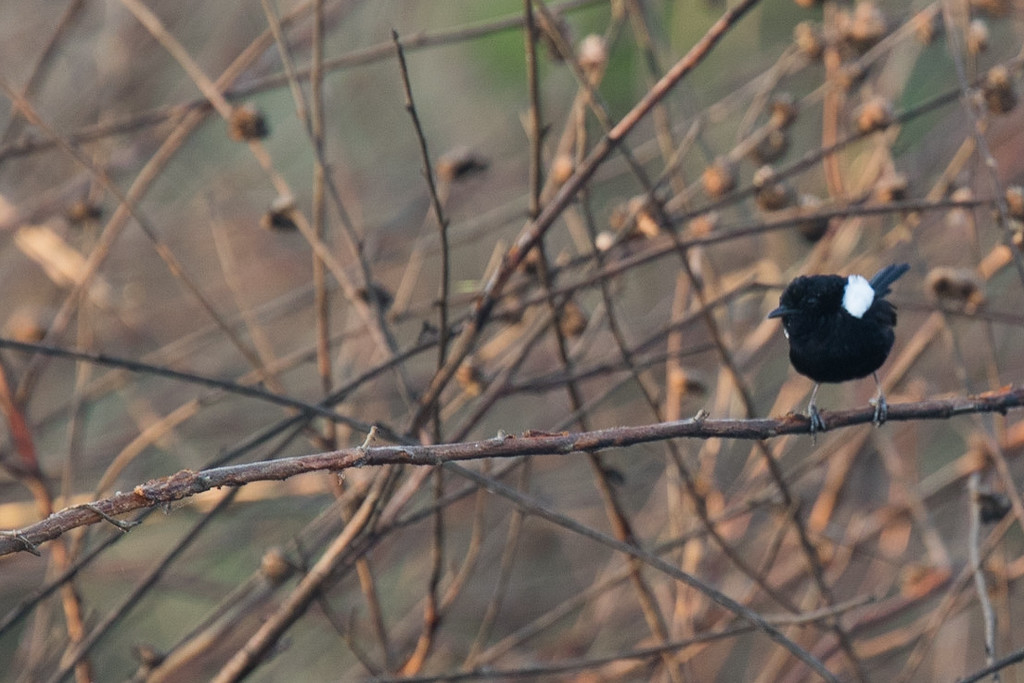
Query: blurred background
x=163 y=205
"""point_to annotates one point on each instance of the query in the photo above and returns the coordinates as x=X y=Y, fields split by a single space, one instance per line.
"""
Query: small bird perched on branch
x=839 y=329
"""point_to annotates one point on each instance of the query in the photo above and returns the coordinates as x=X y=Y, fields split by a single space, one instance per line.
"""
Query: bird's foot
x=881 y=410
x=817 y=422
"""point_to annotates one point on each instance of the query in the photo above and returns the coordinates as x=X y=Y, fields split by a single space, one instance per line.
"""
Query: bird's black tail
x=886 y=276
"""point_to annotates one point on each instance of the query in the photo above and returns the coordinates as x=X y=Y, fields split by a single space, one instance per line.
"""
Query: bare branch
x=187 y=483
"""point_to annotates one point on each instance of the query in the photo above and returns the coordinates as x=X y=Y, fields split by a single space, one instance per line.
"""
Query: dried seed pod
x=992 y=506
x=808 y=39
x=771 y=147
x=275 y=566
x=148 y=656
x=891 y=187
x=573 y=320
x=683 y=383
x=875 y=114
x=28 y=324
x=247 y=123
x=643 y=221
x=771 y=194
x=719 y=178
x=957 y=217
x=977 y=36
x=83 y=210
x=961 y=288
x=458 y=163
x=704 y=224
x=562 y=166
x=784 y=110
x=377 y=295
x=998 y=90
x=646 y=225
x=604 y=240
x=866 y=26
x=530 y=265
x=927 y=25
x=620 y=218
x=814 y=227
x=1015 y=201
x=281 y=215
x=592 y=55
x=470 y=378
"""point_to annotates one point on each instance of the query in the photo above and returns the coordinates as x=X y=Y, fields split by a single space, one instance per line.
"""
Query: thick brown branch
x=187 y=483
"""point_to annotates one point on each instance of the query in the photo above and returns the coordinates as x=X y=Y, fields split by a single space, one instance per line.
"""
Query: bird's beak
x=780 y=311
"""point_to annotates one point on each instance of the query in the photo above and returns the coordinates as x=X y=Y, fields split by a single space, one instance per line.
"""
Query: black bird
x=839 y=328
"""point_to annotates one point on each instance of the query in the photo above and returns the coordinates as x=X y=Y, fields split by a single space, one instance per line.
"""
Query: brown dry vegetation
x=221 y=246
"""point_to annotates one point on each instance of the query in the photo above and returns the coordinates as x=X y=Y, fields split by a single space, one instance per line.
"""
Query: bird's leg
x=817 y=423
x=881 y=407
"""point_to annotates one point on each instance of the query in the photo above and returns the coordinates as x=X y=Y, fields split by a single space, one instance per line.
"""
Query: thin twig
x=988 y=615
x=435 y=202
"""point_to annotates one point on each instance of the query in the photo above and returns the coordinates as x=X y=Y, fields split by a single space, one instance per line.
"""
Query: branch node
x=371 y=437
x=26 y=544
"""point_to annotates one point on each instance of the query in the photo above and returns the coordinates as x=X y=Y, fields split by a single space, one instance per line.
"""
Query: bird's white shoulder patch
x=858 y=296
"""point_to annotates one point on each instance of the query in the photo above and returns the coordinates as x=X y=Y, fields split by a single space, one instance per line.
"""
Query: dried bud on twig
x=874 y=114
x=960 y=287
x=28 y=324
x=771 y=147
x=646 y=224
x=704 y=224
x=604 y=240
x=281 y=214
x=771 y=194
x=458 y=163
x=808 y=39
x=470 y=378
x=561 y=168
x=958 y=217
x=998 y=90
x=992 y=506
x=247 y=123
x=592 y=55
x=927 y=26
x=275 y=566
x=891 y=187
x=815 y=226
x=573 y=320
x=865 y=27
x=719 y=178
x=376 y=294
x=1015 y=201
x=977 y=36
x=784 y=110
x=83 y=210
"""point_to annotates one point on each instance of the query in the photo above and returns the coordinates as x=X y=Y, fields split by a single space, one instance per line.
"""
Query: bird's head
x=810 y=296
